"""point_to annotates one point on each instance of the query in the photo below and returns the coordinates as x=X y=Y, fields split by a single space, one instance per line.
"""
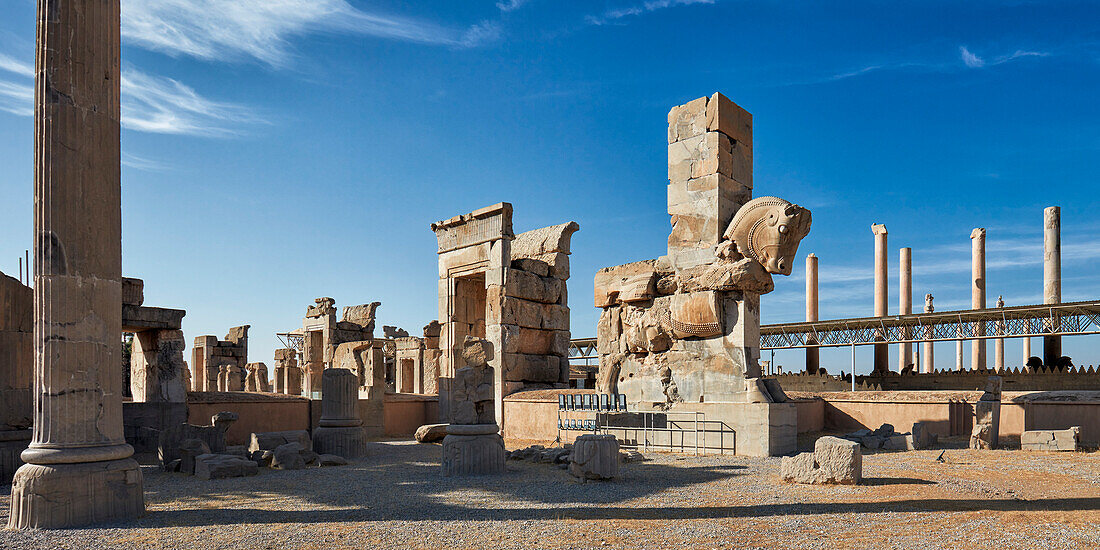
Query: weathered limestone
x=218 y=466
x=367 y=360
x=977 y=295
x=595 y=457
x=340 y=431
x=882 y=351
x=509 y=290
x=1052 y=277
x=813 y=355
x=324 y=335
x=473 y=445
x=157 y=367
x=928 y=365
x=256 y=378
x=1051 y=440
x=905 y=303
x=834 y=461
x=683 y=331
x=16 y=373
x=209 y=355
x=987 y=416
x=288 y=377
x=417 y=362
x=269 y=441
x=430 y=433
x=79 y=469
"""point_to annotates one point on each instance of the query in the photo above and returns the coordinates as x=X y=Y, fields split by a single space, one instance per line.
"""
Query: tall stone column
x=905 y=303
x=999 y=343
x=977 y=295
x=813 y=355
x=1052 y=278
x=79 y=469
x=959 y=364
x=1027 y=350
x=882 y=351
x=929 y=363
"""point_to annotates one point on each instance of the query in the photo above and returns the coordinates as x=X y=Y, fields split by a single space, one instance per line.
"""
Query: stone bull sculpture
x=768 y=230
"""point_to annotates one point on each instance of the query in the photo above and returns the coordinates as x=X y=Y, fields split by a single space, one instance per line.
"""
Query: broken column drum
x=340 y=431
x=79 y=470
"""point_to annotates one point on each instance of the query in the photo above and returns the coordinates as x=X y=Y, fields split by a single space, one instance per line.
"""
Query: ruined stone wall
x=16 y=372
x=209 y=355
x=1072 y=379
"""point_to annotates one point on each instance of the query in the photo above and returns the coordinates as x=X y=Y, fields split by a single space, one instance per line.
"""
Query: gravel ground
x=397 y=499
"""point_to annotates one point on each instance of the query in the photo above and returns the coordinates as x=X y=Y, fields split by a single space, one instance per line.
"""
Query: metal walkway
x=1066 y=319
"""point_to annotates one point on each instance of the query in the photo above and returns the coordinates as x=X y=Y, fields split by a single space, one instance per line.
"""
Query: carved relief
x=697 y=314
x=768 y=230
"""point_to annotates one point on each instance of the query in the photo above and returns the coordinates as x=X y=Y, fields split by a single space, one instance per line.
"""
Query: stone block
x=430 y=433
x=635 y=282
x=531 y=287
x=189 y=450
x=521 y=367
x=288 y=457
x=212 y=466
x=834 y=461
x=543 y=241
x=537 y=267
x=1051 y=440
x=473 y=450
x=269 y=441
x=687 y=120
x=595 y=457
x=727 y=117
x=923 y=438
x=133 y=291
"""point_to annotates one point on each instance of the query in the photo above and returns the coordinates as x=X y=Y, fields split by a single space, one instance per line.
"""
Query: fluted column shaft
x=977 y=295
x=882 y=352
x=813 y=355
x=1052 y=277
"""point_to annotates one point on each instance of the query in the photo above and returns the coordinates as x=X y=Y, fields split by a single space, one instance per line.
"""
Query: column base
x=476 y=449
x=346 y=442
x=58 y=496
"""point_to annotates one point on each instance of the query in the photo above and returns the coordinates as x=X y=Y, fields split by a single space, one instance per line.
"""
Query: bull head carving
x=768 y=229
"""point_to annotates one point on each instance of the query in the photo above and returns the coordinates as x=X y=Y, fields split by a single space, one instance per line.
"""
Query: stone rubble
x=1051 y=440
x=886 y=438
x=833 y=461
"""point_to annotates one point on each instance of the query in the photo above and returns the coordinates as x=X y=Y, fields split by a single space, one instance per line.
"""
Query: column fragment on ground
x=1052 y=278
x=79 y=469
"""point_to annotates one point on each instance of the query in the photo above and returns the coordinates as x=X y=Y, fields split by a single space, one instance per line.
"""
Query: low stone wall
x=405 y=412
x=1014 y=379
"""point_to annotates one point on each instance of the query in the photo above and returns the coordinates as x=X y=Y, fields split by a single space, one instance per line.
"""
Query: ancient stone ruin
x=682 y=332
x=340 y=431
x=323 y=335
x=473 y=444
x=987 y=417
x=834 y=461
x=417 y=362
x=288 y=377
x=158 y=373
x=16 y=376
x=219 y=365
x=78 y=468
x=509 y=290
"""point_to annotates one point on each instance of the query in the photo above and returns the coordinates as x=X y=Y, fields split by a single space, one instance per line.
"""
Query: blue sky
x=279 y=150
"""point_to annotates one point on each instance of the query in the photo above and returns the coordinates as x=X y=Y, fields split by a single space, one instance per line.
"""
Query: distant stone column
x=340 y=431
x=813 y=354
x=959 y=365
x=1026 y=351
x=977 y=295
x=882 y=351
x=1052 y=278
x=905 y=303
x=79 y=469
x=929 y=363
x=999 y=343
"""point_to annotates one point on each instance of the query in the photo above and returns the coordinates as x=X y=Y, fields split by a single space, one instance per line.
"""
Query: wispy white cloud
x=616 y=14
x=149 y=104
x=141 y=163
x=261 y=29
x=970 y=59
x=165 y=106
x=511 y=5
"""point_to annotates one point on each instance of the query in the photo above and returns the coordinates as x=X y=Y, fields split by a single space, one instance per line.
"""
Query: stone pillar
x=977 y=295
x=1026 y=351
x=473 y=445
x=1052 y=278
x=813 y=355
x=999 y=343
x=157 y=368
x=340 y=431
x=929 y=364
x=709 y=175
x=882 y=351
x=905 y=302
x=79 y=469
x=959 y=364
